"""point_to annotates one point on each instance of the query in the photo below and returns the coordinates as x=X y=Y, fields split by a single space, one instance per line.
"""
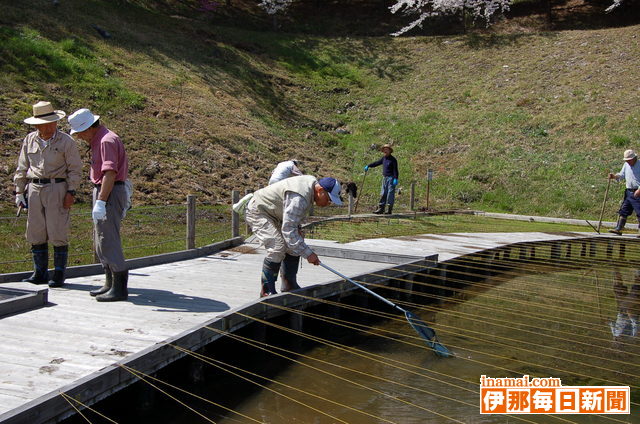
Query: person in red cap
x=630 y=173
x=50 y=166
x=275 y=214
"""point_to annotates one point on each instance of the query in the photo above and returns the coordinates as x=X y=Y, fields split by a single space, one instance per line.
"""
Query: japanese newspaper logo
x=526 y=395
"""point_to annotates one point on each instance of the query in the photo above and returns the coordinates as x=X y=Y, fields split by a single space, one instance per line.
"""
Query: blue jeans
x=388 y=192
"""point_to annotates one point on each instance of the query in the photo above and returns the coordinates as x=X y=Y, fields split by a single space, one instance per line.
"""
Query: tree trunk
x=548 y=9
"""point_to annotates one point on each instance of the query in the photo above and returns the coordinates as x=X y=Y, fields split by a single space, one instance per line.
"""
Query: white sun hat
x=81 y=119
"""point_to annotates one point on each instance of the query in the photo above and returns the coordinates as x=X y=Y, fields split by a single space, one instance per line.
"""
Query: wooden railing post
x=412 y=195
x=191 y=221
x=429 y=178
x=350 y=209
x=248 y=227
x=235 y=218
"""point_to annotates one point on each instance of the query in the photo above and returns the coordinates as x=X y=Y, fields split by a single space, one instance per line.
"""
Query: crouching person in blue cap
x=275 y=214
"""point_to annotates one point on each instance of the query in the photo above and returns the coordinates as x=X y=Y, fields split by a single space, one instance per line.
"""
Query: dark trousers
x=107 y=232
x=629 y=204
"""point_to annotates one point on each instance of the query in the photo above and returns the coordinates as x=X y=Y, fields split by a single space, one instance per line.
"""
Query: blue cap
x=331 y=186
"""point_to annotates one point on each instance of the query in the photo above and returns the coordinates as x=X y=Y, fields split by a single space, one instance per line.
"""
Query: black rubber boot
x=40 y=263
x=389 y=210
x=269 y=276
x=60 y=255
x=290 y=266
x=118 y=289
x=622 y=220
x=108 y=282
x=379 y=210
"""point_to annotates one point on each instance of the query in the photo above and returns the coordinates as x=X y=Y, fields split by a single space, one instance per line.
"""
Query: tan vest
x=270 y=200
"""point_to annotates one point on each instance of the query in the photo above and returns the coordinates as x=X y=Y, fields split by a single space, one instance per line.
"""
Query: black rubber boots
x=290 y=266
x=108 y=283
x=269 y=276
x=622 y=220
x=118 y=290
x=60 y=255
x=40 y=274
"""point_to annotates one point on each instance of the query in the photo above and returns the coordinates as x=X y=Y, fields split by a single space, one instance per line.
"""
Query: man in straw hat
x=275 y=214
x=389 y=178
x=48 y=173
x=630 y=173
x=109 y=172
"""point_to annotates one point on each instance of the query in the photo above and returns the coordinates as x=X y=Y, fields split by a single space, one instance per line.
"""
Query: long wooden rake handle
x=355 y=208
x=606 y=195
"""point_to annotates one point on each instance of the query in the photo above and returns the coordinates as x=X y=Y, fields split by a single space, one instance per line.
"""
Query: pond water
x=542 y=323
x=548 y=324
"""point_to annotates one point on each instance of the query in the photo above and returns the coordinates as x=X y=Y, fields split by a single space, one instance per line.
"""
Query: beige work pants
x=47 y=220
x=267 y=230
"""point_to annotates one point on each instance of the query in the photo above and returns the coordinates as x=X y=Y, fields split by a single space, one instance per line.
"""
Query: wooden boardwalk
x=74 y=343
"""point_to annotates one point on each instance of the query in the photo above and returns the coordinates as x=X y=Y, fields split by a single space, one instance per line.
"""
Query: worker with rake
x=275 y=214
x=389 y=179
x=628 y=305
x=630 y=173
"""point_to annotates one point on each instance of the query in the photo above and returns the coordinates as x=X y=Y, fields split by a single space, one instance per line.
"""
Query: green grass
x=145 y=231
x=527 y=122
x=361 y=229
x=33 y=59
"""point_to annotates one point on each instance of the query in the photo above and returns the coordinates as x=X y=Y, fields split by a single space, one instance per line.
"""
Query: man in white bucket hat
x=286 y=169
x=50 y=167
x=109 y=172
x=630 y=173
x=275 y=214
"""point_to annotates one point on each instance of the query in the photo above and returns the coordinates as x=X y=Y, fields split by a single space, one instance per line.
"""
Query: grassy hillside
x=525 y=121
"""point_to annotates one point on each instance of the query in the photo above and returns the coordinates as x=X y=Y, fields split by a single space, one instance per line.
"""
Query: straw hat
x=43 y=113
x=386 y=146
x=629 y=154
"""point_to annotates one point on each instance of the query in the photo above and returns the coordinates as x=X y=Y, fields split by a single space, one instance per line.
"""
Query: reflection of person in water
x=628 y=303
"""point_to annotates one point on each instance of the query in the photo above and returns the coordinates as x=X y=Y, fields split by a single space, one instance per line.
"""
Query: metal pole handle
x=388 y=302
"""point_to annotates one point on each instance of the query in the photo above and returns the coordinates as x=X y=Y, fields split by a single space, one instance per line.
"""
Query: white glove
x=99 y=210
x=20 y=200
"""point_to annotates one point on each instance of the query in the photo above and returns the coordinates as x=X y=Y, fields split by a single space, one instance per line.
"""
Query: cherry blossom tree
x=274 y=6
x=424 y=9
x=615 y=4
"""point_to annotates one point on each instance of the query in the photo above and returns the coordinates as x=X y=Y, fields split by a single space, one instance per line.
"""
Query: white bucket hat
x=43 y=113
x=629 y=154
x=81 y=119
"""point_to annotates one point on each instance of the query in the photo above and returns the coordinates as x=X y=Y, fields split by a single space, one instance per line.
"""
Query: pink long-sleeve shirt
x=107 y=154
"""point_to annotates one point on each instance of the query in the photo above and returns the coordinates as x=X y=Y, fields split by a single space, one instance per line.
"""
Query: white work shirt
x=295 y=208
x=284 y=170
x=631 y=175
